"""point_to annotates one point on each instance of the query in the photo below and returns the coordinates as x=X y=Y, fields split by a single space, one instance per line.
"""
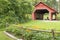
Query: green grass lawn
x=4 y=37
x=43 y=25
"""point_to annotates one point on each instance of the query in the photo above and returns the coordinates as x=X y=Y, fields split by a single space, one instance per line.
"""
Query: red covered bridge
x=41 y=9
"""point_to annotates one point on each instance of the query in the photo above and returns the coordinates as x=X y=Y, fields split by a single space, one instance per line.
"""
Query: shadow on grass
x=25 y=20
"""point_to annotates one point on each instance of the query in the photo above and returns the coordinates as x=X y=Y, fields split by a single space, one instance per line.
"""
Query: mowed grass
x=4 y=37
x=46 y=25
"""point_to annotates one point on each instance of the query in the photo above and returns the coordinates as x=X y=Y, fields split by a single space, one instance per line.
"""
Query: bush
x=28 y=34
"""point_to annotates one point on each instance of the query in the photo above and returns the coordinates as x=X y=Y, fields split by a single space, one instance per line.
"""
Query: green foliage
x=28 y=34
x=14 y=11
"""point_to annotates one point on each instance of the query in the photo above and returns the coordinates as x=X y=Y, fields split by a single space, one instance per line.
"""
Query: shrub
x=28 y=34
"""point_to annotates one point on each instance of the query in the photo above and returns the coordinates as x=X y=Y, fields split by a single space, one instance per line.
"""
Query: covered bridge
x=41 y=9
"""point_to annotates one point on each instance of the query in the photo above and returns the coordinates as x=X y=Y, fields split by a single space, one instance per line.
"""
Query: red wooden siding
x=43 y=6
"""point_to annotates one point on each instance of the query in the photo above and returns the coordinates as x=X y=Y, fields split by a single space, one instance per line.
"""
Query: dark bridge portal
x=40 y=14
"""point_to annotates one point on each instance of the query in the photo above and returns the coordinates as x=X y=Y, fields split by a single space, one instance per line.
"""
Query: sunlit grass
x=42 y=25
x=4 y=37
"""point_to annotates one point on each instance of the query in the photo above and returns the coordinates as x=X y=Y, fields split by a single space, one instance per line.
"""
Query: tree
x=14 y=11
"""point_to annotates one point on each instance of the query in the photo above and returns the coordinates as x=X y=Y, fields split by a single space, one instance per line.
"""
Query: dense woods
x=18 y=11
